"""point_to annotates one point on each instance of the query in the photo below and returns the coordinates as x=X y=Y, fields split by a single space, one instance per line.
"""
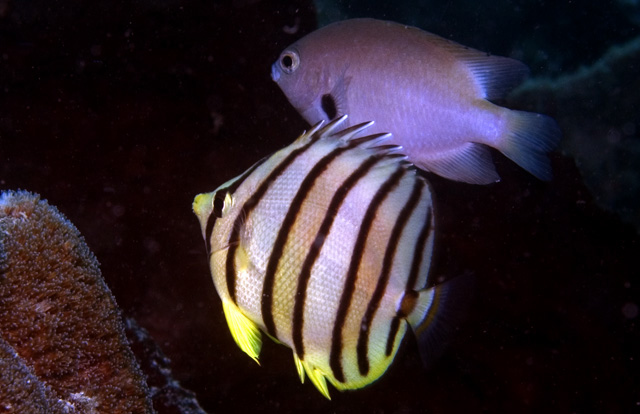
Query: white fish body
x=325 y=246
x=432 y=94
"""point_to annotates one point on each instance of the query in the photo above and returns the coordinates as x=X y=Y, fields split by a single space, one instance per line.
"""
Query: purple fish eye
x=289 y=61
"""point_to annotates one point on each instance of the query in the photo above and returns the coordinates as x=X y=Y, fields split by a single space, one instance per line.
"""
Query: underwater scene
x=483 y=257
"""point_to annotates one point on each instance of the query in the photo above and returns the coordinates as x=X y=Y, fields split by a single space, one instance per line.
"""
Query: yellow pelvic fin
x=316 y=376
x=244 y=331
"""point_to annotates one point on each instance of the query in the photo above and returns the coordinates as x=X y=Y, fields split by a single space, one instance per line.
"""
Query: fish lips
x=275 y=72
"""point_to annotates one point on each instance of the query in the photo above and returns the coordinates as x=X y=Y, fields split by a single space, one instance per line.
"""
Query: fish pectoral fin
x=437 y=313
x=317 y=377
x=244 y=331
x=469 y=163
x=339 y=96
x=243 y=262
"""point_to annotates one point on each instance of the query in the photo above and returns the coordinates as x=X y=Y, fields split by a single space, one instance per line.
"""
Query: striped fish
x=326 y=246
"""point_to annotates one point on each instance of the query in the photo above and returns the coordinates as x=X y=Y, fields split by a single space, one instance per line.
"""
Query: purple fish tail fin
x=438 y=313
x=529 y=138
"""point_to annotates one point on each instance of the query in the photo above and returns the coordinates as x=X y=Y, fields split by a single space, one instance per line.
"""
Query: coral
x=21 y=391
x=60 y=323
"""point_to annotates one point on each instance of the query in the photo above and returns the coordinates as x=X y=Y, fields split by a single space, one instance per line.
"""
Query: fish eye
x=289 y=61
x=221 y=201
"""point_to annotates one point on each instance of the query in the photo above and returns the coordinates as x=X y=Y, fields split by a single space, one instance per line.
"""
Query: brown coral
x=59 y=318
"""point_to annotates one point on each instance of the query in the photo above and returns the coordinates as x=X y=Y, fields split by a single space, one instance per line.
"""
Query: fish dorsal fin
x=470 y=163
x=321 y=129
x=244 y=331
x=495 y=75
x=350 y=135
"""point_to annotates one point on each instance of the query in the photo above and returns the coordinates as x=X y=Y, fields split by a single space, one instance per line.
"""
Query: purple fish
x=432 y=94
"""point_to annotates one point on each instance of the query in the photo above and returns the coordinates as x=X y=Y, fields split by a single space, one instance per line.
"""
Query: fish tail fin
x=437 y=313
x=529 y=138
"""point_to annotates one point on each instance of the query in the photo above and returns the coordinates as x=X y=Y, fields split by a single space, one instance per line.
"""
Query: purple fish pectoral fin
x=438 y=313
x=528 y=139
x=339 y=95
x=469 y=163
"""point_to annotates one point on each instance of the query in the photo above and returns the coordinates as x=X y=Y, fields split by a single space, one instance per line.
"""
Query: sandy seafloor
x=118 y=113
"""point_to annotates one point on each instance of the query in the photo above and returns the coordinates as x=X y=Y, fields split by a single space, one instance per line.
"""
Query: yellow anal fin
x=244 y=331
x=315 y=375
x=299 y=366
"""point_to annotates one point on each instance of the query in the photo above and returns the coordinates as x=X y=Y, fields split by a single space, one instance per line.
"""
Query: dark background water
x=119 y=112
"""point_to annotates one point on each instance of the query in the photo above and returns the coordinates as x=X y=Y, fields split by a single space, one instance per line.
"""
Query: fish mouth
x=275 y=73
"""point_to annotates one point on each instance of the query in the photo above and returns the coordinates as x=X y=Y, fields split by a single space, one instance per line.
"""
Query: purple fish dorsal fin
x=495 y=75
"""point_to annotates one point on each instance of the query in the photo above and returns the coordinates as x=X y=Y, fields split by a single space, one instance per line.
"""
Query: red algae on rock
x=63 y=343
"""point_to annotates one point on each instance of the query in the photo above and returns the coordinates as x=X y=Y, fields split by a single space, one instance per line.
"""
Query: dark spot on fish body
x=329 y=106
x=408 y=303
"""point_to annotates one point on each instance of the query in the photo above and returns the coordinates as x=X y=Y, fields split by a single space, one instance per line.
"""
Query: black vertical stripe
x=350 y=282
x=418 y=255
x=248 y=207
x=416 y=264
x=362 y=347
x=208 y=232
x=393 y=331
x=211 y=220
x=283 y=234
x=305 y=273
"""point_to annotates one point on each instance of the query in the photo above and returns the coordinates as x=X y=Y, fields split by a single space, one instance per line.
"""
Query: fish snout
x=275 y=72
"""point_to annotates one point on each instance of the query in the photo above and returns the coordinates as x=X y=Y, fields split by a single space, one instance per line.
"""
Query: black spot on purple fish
x=329 y=106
